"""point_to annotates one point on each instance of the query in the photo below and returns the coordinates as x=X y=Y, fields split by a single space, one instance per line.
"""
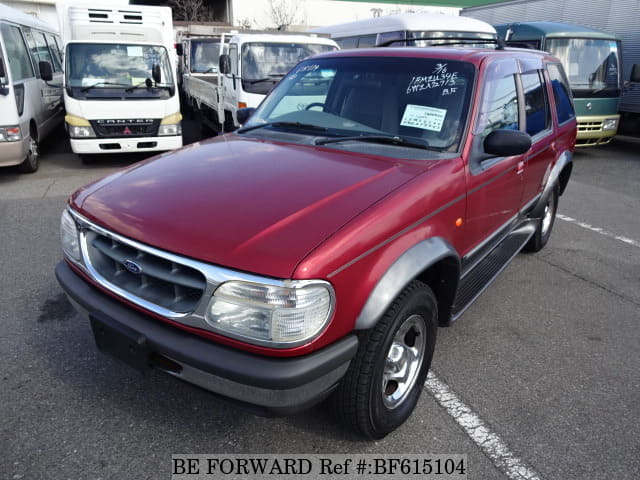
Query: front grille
x=589 y=126
x=126 y=128
x=161 y=282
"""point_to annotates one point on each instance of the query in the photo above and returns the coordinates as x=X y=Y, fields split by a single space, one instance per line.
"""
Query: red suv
x=313 y=253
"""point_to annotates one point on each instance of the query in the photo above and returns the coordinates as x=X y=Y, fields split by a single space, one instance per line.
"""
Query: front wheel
x=32 y=161
x=385 y=379
x=545 y=224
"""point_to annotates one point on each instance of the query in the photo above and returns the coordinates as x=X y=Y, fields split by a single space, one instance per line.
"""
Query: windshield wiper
x=148 y=83
x=306 y=126
x=388 y=139
x=270 y=78
x=86 y=89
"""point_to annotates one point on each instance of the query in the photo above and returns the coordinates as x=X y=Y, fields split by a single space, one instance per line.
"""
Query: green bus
x=592 y=61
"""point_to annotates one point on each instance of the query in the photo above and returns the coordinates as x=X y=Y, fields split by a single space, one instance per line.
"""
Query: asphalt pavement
x=547 y=358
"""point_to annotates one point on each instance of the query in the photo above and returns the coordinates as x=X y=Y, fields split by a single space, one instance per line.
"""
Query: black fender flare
x=564 y=161
x=410 y=265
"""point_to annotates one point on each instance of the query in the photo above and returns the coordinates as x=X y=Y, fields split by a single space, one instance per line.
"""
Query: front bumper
x=125 y=145
x=277 y=386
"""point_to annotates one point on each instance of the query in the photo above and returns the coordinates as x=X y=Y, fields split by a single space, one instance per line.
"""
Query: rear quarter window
x=561 y=93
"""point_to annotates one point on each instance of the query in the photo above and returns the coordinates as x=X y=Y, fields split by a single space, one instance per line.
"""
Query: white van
x=429 y=27
x=30 y=107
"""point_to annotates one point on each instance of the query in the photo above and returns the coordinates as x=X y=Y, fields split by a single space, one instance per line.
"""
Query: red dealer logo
x=126 y=131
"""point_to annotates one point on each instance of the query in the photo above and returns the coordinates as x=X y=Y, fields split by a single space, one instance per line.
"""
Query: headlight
x=610 y=124
x=274 y=316
x=79 y=127
x=69 y=236
x=10 y=134
x=170 y=125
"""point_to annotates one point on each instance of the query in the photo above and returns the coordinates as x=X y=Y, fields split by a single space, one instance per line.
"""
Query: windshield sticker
x=304 y=69
x=134 y=51
x=439 y=78
x=425 y=118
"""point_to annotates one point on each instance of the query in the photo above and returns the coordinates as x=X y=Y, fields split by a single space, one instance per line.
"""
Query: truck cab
x=120 y=90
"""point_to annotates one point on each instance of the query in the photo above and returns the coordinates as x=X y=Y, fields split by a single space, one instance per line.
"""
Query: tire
x=370 y=398
x=545 y=224
x=31 y=163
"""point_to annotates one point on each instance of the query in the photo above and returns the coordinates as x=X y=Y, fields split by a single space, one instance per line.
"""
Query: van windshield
x=592 y=64
x=264 y=64
x=96 y=68
x=416 y=100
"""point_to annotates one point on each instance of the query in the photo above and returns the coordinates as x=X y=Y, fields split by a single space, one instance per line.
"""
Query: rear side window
x=536 y=103
x=561 y=93
x=17 y=55
x=42 y=48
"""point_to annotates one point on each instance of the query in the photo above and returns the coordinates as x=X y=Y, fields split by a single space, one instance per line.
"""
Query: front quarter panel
x=362 y=254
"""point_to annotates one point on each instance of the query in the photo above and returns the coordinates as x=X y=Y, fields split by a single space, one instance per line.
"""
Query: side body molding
x=410 y=265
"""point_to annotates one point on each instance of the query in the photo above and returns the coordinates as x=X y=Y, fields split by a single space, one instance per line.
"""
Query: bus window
x=346 y=43
x=43 y=50
x=17 y=54
x=367 y=41
x=55 y=53
x=388 y=36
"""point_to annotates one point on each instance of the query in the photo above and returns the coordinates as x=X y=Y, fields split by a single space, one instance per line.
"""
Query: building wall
x=315 y=13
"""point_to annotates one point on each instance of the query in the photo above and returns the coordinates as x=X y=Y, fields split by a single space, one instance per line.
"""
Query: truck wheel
x=385 y=379
x=31 y=162
x=545 y=225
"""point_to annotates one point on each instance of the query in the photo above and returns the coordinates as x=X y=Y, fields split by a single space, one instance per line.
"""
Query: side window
x=561 y=93
x=538 y=118
x=233 y=55
x=43 y=50
x=367 y=41
x=499 y=106
x=347 y=43
x=533 y=44
x=55 y=53
x=388 y=36
x=18 y=56
x=31 y=44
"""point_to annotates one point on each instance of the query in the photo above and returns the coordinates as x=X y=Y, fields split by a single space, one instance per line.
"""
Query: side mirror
x=46 y=72
x=635 y=73
x=2 y=72
x=155 y=73
x=179 y=49
x=243 y=114
x=505 y=143
x=225 y=64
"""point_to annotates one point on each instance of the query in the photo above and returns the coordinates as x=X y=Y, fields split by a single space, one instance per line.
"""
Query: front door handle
x=520 y=167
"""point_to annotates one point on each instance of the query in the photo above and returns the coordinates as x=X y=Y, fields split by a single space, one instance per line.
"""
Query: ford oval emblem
x=132 y=267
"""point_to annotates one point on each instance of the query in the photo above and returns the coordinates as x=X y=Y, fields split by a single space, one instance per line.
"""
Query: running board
x=486 y=271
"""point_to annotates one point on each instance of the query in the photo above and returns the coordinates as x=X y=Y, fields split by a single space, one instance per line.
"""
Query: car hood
x=242 y=203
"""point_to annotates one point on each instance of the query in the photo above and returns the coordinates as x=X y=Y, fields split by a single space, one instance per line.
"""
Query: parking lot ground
x=547 y=357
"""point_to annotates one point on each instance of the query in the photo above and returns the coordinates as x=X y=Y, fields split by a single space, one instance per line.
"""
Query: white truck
x=120 y=90
x=225 y=72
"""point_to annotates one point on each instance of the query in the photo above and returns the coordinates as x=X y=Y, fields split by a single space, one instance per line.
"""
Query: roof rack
x=448 y=41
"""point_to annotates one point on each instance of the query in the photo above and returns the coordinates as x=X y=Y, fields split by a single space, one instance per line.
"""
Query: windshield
x=592 y=65
x=264 y=64
x=95 y=68
x=419 y=101
x=205 y=56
